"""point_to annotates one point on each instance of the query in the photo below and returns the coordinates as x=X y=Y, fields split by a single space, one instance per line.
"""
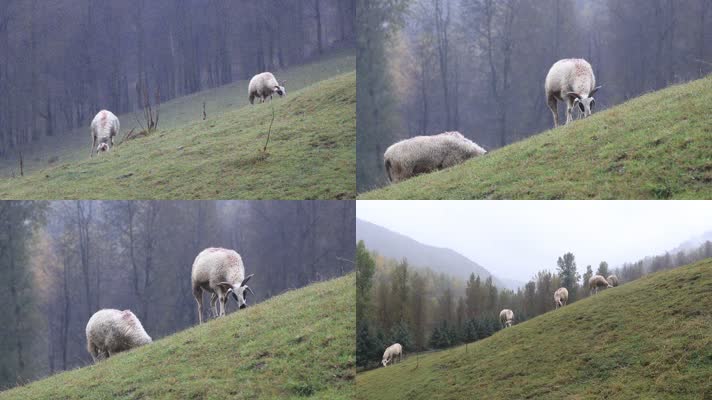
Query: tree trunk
x=317 y=13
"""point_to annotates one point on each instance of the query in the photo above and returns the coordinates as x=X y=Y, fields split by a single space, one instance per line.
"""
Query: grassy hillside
x=310 y=155
x=296 y=345
x=649 y=339
x=657 y=146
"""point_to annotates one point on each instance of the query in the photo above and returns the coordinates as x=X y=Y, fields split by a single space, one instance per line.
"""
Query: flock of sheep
x=569 y=80
x=506 y=316
x=105 y=125
x=217 y=271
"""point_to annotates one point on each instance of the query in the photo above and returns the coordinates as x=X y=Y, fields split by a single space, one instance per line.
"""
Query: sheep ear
x=249 y=290
x=594 y=91
x=247 y=279
x=225 y=286
x=573 y=95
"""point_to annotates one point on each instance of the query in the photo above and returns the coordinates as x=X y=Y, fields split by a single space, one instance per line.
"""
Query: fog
x=515 y=239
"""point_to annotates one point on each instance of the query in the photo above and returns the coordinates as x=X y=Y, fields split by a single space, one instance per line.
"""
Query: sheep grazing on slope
x=613 y=280
x=570 y=80
x=597 y=281
x=423 y=154
x=561 y=296
x=104 y=127
x=395 y=350
x=221 y=273
x=264 y=85
x=506 y=317
x=112 y=331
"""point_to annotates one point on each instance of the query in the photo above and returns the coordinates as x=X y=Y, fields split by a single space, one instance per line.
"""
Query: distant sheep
x=395 y=350
x=104 y=127
x=506 y=317
x=597 y=281
x=423 y=154
x=112 y=331
x=264 y=85
x=561 y=296
x=613 y=280
x=570 y=80
x=221 y=273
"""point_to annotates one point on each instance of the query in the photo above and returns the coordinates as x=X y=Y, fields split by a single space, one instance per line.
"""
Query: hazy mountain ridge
x=440 y=259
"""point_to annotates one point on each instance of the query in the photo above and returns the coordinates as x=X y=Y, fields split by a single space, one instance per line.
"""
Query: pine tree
x=602 y=269
x=400 y=333
x=418 y=309
x=568 y=274
x=470 y=332
x=365 y=268
x=586 y=277
x=473 y=296
x=399 y=290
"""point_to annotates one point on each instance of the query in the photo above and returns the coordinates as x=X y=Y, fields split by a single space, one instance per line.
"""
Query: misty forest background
x=61 y=61
x=424 y=310
x=478 y=66
x=62 y=261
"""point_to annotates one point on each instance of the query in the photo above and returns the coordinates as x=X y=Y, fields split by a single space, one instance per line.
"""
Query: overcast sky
x=515 y=239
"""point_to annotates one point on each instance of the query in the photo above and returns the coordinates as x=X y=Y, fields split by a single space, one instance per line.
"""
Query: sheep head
x=585 y=105
x=280 y=90
x=102 y=147
x=238 y=293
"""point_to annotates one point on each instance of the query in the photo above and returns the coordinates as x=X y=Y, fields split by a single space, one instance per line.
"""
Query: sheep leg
x=569 y=111
x=223 y=302
x=551 y=102
x=93 y=145
x=94 y=352
x=213 y=306
x=198 y=294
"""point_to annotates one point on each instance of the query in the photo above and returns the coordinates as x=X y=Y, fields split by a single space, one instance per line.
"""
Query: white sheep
x=112 y=331
x=506 y=317
x=613 y=280
x=391 y=353
x=570 y=80
x=264 y=85
x=597 y=281
x=104 y=127
x=219 y=272
x=561 y=296
x=423 y=154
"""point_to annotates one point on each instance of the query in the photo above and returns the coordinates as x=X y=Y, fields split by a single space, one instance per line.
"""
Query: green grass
x=310 y=155
x=649 y=339
x=296 y=345
x=657 y=146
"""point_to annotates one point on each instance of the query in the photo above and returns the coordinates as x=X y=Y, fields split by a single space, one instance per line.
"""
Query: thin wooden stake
x=204 y=114
x=270 y=127
x=21 y=171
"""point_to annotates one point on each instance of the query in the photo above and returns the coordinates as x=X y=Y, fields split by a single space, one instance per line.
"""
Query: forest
x=423 y=310
x=62 y=261
x=61 y=61
x=478 y=66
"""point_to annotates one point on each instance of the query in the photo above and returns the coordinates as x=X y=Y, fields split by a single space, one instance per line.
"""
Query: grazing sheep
x=423 y=154
x=613 y=280
x=219 y=272
x=391 y=353
x=112 y=331
x=506 y=317
x=264 y=85
x=570 y=80
x=104 y=127
x=597 y=281
x=561 y=296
